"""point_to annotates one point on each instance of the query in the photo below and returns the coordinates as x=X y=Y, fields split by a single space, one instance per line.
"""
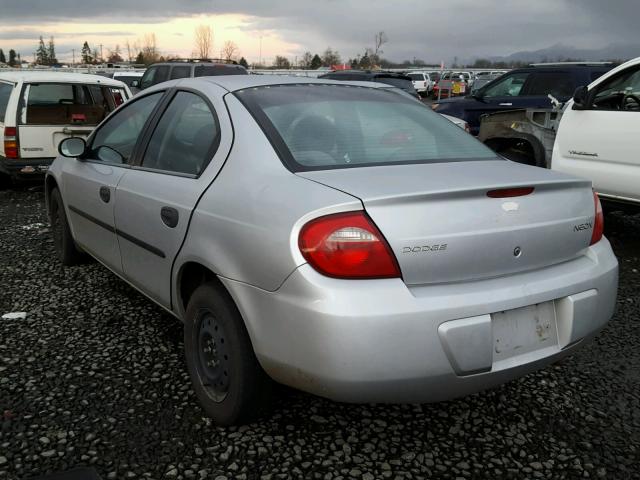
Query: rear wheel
x=227 y=378
x=62 y=240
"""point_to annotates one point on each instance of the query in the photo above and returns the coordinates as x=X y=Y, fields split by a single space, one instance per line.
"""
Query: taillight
x=347 y=245
x=10 y=142
x=598 y=224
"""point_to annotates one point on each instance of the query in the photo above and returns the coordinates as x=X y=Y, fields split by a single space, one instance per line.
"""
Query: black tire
x=228 y=380
x=63 y=242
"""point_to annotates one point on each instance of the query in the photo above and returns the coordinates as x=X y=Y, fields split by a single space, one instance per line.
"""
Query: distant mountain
x=560 y=52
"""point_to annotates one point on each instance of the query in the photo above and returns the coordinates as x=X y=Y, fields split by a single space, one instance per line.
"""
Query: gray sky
x=430 y=30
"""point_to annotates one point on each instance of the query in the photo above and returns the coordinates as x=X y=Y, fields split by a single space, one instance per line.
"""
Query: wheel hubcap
x=214 y=361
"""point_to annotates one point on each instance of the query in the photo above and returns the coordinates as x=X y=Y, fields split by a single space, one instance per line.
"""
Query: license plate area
x=524 y=330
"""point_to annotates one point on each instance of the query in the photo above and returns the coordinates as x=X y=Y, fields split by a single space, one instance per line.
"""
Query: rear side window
x=5 y=93
x=64 y=104
x=558 y=84
x=318 y=127
x=214 y=70
x=186 y=137
x=180 y=72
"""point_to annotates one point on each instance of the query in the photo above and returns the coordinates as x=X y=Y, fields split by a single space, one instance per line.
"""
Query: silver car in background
x=341 y=239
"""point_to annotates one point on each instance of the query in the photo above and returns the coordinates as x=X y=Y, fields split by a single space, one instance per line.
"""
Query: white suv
x=421 y=82
x=598 y=135
x=39 y=109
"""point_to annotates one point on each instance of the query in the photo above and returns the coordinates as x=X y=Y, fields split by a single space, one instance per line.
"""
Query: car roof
x=234 y=83
x=53 y=76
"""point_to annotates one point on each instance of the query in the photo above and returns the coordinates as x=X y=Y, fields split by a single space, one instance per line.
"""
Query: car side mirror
x=135 y=84
x=581 y=98
x=72 y=147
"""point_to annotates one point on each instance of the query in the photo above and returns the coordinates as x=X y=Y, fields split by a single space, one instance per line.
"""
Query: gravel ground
x=94 y=376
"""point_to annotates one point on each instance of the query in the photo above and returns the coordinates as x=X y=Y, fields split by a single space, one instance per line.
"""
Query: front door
x=601 y=142
x=89 y=184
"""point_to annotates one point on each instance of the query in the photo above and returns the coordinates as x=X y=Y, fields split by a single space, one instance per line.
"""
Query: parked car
x=482 y=80
x=39 y=108
x=421 y=82
x=380 y=76
x=522 y=88
x=279 y=219
x=450 y=84
x=131 y=78
x=175 y=69
x=598 y=135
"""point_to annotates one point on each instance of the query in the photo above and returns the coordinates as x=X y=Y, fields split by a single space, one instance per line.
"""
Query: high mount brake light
x=510 y=192
x=347 y=245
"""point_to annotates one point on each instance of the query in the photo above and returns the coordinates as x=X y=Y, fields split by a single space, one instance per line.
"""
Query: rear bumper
x=380 y=341
x=25 y=168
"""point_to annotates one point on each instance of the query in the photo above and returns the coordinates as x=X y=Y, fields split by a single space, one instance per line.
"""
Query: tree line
x=14 y=58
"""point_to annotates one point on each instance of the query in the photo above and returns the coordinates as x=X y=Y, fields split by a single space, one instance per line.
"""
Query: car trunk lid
x=444 y=227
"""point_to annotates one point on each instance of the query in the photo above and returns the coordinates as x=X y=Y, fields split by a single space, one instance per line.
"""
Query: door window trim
x=138 y=155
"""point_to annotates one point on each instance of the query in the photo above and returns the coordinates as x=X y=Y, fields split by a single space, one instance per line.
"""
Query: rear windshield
x=319 y=127
x=418 y=77
x=127 y=79
x=69 y=103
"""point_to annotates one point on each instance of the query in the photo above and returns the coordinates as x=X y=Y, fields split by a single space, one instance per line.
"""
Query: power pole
x=73 y=50
x=101 y=57
x=260 y=50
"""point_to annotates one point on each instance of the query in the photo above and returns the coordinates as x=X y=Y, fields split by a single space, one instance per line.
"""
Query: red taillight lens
x=598 y=223
x=10 y=142
x=347 y=245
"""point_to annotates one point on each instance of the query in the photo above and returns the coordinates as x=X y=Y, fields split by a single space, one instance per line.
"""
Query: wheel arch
x=500 y=143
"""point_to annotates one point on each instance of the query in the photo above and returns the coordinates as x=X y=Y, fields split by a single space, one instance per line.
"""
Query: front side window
x=63 y=104
x=186 y=137
x=317 y=127
x=507 y=86
x=115 y=140
x=5 y=94
x=621 y=92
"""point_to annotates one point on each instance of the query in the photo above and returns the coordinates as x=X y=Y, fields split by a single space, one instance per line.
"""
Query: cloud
x=416 y=28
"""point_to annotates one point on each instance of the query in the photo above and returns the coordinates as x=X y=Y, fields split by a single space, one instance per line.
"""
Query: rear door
x=155 y=200
x=51 y=112
x=88 y=184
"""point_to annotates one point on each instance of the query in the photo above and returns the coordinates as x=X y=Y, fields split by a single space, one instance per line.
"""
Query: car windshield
x=319 y=127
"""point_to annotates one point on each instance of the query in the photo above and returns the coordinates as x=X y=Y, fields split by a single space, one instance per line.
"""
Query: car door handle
x=169 y=216
x=105 y=194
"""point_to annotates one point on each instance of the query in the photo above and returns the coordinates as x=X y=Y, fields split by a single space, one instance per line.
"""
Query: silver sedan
x=340 y=239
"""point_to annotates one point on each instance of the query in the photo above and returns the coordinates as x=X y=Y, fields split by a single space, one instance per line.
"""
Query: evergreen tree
x=51 y=52
x=42 y=54
x=243 y=62
x=3 y=59
x=140 y=58
x=316 y=62
x=12 y=58
x=86 y=53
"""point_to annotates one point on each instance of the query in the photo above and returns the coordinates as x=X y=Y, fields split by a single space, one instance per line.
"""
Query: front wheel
x=62 y=239
x=227 y=378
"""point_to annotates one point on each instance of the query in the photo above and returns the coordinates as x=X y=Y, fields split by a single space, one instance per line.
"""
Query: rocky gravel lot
x=94 y=376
